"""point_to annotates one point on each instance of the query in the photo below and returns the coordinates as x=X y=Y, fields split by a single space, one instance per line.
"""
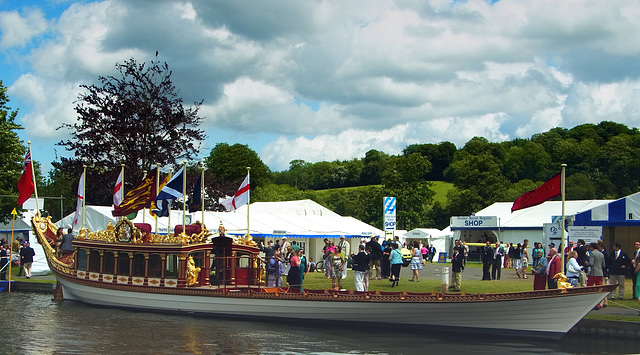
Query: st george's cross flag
x=117 y=191
x=80 y=202
x=240 y=198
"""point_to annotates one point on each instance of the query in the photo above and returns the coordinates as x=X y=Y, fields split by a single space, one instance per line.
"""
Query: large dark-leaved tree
x=135 y=118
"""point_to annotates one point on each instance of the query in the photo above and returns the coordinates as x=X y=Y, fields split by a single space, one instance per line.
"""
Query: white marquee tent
x=304 y=220
x=22 y=228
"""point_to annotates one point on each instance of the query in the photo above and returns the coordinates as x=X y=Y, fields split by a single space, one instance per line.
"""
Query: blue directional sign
x=389 y=209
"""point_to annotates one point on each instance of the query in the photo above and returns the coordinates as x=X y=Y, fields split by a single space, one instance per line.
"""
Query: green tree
x=12 y=156
x=405 y=181
x=439 y=155
x=580 y=187
x=529 y=161
x=375 y=165
x=619 y=160
x=227 y=165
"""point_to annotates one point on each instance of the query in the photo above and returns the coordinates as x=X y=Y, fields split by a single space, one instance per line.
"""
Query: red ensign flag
x=25 y=184
x=547 y=191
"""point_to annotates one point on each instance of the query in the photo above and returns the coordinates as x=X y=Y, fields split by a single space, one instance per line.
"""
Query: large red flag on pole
x=546 y=191
x=25 y=184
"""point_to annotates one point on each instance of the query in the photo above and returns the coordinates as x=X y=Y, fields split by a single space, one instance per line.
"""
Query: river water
x=33 y=323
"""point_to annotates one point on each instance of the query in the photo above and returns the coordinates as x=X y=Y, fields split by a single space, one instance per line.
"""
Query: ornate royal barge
x=127 y=266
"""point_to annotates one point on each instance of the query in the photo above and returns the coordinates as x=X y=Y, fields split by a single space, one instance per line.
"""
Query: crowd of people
x=586 y=264
x=23 y=255
x=285 y=259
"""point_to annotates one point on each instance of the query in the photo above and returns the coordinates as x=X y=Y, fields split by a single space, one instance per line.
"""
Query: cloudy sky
x=325 y=80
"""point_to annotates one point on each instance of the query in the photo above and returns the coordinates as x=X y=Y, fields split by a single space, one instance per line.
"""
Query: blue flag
x=196 y=199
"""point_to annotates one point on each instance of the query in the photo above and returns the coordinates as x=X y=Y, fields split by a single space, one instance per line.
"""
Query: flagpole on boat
x=184 y=198
x=84 y=179
x=157 y=192
x=169 y=207
x=144 y=208
x=33 y=174
x=248 y=199
x=562 y=192
x=122 y=188
x=202 y=192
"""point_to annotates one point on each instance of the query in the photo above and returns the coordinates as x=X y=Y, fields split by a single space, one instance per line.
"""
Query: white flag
x=78 y=215
x=240 y=198
x=117 y=190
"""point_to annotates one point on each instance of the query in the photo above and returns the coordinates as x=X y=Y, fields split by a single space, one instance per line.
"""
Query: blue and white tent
x=621 y=212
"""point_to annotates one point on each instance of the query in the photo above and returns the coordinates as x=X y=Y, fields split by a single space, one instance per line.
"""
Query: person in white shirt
x=346 y=250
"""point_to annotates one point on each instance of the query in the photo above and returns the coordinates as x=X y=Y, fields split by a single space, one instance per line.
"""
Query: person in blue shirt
x=396 y=264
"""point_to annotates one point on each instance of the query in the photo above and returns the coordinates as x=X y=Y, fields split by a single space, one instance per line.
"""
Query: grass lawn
x=441 y=188
x=316 y=280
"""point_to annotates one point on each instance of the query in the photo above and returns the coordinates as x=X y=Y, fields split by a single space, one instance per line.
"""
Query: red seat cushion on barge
x=145 y=229
x=190 y=229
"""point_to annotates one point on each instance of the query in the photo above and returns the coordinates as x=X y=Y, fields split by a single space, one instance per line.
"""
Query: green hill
x=440 y=187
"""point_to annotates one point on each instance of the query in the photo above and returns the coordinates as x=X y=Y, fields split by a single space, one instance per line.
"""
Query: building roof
x=536 y=216
x=294 y=219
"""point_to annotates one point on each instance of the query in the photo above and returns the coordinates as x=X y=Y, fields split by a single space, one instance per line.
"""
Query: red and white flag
x=240 y=198
x=25 y=184
x=117 y=191
x=79 y=205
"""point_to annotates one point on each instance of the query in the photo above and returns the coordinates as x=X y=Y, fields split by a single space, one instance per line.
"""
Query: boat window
x=82 y=259
x=155 y=265
x=94 y=261
x=108 y=263
x=123 y=264
x=198 y=259
x=243 y=260
x=138 y=264
x=172 y=266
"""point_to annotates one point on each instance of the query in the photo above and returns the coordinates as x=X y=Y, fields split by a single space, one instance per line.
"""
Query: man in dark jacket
x=360 y=267
x=487 y=259
x=432 y=253
x=496 y=263
x=376 y=255
x=26 y=258
x=4 y=260
x=619 y=267
x=582 y=254
x=457 y=261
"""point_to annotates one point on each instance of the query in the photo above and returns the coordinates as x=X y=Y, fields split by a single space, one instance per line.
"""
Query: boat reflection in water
x=39 y=325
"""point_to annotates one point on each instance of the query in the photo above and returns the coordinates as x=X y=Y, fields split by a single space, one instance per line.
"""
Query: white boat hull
x=546 y=316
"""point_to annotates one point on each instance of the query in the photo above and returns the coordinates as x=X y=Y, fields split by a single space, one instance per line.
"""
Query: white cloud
x=334 y=79
x=51 y=108
x=17 y=30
